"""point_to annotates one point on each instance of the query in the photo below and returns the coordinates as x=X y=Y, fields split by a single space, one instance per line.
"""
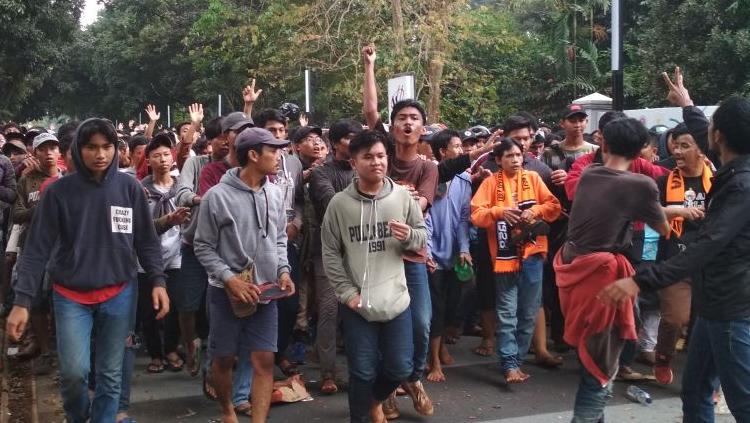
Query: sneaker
x=422 y=402
x=663 y=370
x=390 y=409
x=626 y=373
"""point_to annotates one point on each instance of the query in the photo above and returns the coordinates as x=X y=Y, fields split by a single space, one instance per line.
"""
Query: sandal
x=548 y=361
x=208 y=390
x=287 y=367
x=244 y=409
x=328 y=386
x=486 y=349
x=154 y=367
x=175 y=365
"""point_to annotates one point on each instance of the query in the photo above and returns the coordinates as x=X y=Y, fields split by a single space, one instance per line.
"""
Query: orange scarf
x=676 y=194
x=509 y=257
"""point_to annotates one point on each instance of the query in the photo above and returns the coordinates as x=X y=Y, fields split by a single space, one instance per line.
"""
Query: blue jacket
x=449 y=220
x=88 y=234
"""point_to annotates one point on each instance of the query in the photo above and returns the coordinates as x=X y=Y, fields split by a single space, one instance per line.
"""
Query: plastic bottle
x=638 y=395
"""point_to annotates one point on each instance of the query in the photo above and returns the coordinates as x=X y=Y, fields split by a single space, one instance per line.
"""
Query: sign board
x=667 y=116
x=400 y=87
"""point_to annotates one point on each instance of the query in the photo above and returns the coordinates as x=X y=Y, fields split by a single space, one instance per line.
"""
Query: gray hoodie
x=360 y=256
x=238 y=227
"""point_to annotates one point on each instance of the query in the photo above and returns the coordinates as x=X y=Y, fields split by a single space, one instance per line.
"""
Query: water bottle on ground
x=638 y=395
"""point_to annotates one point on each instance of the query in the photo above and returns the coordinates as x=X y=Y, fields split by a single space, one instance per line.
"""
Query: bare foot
x=436 y=374
x=229 y=418
x=446 y=358
x=515 y=376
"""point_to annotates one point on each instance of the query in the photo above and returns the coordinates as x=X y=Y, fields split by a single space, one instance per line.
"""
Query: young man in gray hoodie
x=366 y=229
x=242 y=227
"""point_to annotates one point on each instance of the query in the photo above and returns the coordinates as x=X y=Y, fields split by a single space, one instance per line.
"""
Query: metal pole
x=307 y=91
x=618 y=96
x=219 y=104
x=169 y=117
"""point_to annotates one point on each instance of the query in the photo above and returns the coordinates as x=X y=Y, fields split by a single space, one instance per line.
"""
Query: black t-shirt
x=695 y=196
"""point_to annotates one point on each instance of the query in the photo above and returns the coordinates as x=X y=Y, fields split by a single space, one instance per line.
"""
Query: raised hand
x=152 y=114
x=369 y=54
x=249 y=95
x=196 y=113
x=303 y=120
x=678 y=94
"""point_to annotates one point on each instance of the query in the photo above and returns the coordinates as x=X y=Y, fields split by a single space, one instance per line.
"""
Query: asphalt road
x=474 y=392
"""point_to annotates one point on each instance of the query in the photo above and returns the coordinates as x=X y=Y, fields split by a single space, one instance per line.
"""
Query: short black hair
x=680 y=130
x=213 y=128
x=179 y=126
x=242 y=158
x=365 y=140
x=200 y=145
x=732 y=119
x=342 y=128
x=533 y=126
x=10 y=125
x=625 y=137
x=66 y=134
x=95 y=126
x=408 y=103
x=269 y=115
x=505 y=145
x=609 y=117
x=441 y=140
x=516 y=122
x=137 y=140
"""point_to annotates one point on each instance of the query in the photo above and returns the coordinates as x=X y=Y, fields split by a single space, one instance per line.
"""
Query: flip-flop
x=550 y=361
x=155 y=368
x=522 y=377
x=175 y=365
x=207 y=386
x=245 y=409
x=328 y=386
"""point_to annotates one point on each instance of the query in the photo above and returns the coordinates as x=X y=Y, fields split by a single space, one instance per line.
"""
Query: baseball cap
x=235 y=121
x=43 y=138
x=304 y=131
x=14 y=143
x=574 y=109
x=254 y=136
x=430 y=131
x=160 y=140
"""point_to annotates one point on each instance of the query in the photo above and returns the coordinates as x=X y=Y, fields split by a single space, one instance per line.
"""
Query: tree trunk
x=435 y=78
x=398 y=26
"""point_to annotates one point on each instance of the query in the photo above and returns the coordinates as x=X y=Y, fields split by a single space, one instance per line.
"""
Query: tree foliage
x=473 y=61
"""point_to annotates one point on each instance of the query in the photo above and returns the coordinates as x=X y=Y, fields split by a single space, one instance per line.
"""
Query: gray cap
x=235 y=121
x=254 y=136
x=42 y=138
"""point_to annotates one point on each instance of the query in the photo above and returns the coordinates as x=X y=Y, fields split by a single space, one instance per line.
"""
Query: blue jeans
x=718 y=351
x=242 y=379
x=74 y=322
x=421 y=314
x=128 y=360
x=518 y=298
x=591 y=399
x=379 y=355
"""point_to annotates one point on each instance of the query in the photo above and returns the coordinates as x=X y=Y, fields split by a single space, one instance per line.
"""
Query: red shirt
x=211 y=175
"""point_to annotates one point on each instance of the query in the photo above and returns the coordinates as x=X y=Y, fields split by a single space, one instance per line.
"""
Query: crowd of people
x=227 y=247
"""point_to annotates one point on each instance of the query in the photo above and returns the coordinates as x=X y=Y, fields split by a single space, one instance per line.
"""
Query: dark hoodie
x=87 y=234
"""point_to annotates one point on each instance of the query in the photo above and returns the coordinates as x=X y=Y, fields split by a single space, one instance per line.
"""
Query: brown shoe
x=422 y=402
x=390 y=409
